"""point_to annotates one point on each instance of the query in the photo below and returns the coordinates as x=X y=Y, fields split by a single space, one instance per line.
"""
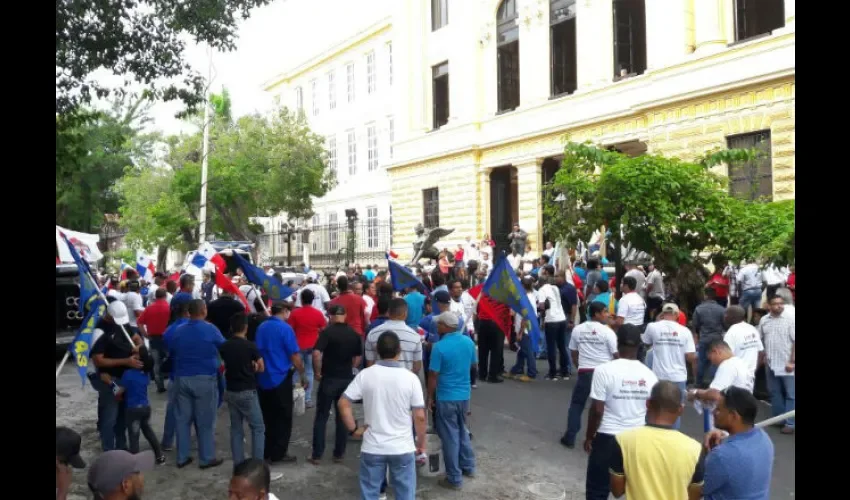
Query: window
x=372 y=146
x=390 y=61
x=753 y=179
x=372 y=227
x=507 y=31
x=333 y=233
x=332 y=153
x=352 y=153
x=314 y=88
x=439 y=14
x=331 y=91
x=299 y=99
x=371 y=77
x=431 y=207
x=349 y=77
x=758 y=17
x=629 y=38
x=391 y=134
x=563 y=42
x=441 y=94
x=314 y=236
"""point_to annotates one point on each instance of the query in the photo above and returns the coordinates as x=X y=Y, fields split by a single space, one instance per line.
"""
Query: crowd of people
x=354 y=340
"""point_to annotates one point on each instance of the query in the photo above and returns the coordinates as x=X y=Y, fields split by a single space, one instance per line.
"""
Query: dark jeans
x=704 y=364
x=491 y=345
x=139 y=419
x=580 y=394
x=525 y=357
x=111 y=419
x=771 y=291
x=653 y=307
x=158 y=353
x=598 y=483
x=330 y=390
x=244 y=407
x=454 y=437
x=277 y=406
x=724 y=301
x=556 y=336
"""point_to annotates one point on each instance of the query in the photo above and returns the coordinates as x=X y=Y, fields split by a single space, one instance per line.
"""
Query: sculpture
x=423 y=245
x=518 y=240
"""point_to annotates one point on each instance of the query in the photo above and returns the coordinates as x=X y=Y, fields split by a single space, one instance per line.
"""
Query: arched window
x=507 y=31
x=629 y=38
x=562 y=19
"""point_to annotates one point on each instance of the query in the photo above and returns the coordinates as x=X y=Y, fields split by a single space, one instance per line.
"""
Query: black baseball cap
x=628 y=335
x=68 y=447
x=442 y=297
x=336 y=310
x=111 y=468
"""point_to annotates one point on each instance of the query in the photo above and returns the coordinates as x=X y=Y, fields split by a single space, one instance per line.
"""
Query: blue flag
x=82 y=344
x=503 y=286
x=402 y=278
x=274 y=288
x=88 y=289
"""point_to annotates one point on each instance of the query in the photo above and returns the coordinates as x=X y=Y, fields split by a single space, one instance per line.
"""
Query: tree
x=138 y=40
x=678 y=212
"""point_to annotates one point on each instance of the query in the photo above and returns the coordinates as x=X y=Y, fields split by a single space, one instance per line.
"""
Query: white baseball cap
x=118 y=311
x=313 y=275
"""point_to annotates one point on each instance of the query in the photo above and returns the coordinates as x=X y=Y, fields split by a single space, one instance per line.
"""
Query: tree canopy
x=141 y=41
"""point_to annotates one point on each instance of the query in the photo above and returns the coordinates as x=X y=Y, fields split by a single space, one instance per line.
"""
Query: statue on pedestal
x=518 y=240
x=424 y=244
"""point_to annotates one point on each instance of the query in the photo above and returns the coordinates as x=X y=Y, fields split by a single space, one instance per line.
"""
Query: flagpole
x=202 y=231
x=62 y=364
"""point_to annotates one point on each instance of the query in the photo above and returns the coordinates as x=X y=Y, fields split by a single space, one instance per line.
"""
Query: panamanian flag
x=207 y=257
x=145 y=267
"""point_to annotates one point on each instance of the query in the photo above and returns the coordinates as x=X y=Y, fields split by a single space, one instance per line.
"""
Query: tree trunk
x=161 y=258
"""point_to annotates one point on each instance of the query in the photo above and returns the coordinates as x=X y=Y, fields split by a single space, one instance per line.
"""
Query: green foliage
x=138 y=40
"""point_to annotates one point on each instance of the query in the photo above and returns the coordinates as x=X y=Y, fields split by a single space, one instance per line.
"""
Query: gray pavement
x=516 y=430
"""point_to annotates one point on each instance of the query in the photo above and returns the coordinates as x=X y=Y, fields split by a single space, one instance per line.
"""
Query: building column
x=530 y=196
x=534 y=59
x=488 y=77
x=667 y=32
x=483 y=203
x=594 y=43
x=710 y=23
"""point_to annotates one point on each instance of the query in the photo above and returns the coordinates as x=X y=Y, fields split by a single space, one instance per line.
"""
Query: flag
x=503 y=286
x=272 y=286
x=207 y=256
x=88 y=288
x=85 y=244
x=392 y=255
x=402 y=278
x=82 y=344
x=145 y=267
x=124 y=268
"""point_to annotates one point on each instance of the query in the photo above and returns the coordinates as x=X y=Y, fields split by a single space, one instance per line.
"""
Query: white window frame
x=390 y=62
x=331 y=90
x=391 y=134
x=332 y=156
x=371 y=73
x=372 y=227
x=314 y=235
x=299 y=98
x=372 y=146
x=314 y=88
x=351 y=87
x=333 y=232
x=352 y=152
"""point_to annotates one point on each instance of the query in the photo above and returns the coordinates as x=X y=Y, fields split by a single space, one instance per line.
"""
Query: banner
x=84 y=243
x=82 y=344
x=503 y=286
x=402 y=278
x=274 y=289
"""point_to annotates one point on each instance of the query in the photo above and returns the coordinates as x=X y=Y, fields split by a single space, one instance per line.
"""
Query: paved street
x=516 y=429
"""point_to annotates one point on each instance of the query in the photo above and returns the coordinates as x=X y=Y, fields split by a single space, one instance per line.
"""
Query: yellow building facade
x=705 y=79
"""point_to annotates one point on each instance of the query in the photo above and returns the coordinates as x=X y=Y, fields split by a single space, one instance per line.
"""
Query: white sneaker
x=276 y=476
x=382 y=496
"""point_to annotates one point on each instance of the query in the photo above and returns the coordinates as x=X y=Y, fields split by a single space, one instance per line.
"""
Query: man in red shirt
x=494 y=323
x=355 y=306
x=152 y=324
x=792 y=283
x=307 y=321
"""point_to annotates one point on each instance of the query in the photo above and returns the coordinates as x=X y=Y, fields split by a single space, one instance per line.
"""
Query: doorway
x=504 y=207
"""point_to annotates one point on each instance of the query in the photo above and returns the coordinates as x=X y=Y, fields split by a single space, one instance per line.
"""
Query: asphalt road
x=516 y=428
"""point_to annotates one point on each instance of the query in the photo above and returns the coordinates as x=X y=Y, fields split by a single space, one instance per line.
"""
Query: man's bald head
x=735 y=315
x=666 y=397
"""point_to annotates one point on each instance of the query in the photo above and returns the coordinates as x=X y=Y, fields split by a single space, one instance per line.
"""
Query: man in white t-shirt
x=730 y=371
x=389 y=393
x=743 y=338
x=135 y=306
x=514 y=259
x=321 y=299
x=640 y=278
x=556 y=328
x=592 y=344
x=672 y=347
x=618 y=394
x=632 y=308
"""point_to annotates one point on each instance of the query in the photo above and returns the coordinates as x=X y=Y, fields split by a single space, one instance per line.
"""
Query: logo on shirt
x=593 y=332
x=633 y=383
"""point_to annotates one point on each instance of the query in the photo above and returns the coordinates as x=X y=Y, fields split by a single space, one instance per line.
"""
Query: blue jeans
x=307 y=356
x=704 y=364
x=373 y=471
x=782 y=394
x=197 y=402
x=111 y=422
x=525 y=356
x=749 y=298
x=158 y=353
x=457 y=448
x=170 y=420
x=684 y=387
x=245 y=405
x=557 y=338
x=580 y=394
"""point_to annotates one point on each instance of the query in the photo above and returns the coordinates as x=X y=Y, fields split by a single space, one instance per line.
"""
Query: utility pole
x=202 y=232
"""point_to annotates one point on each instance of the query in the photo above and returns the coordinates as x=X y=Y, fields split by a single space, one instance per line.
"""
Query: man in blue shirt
x=415 y=307
x=194 y=348
x=280 y=352
x=448 y=380
x=184 y=296
x=740 y=466
x=170 y=425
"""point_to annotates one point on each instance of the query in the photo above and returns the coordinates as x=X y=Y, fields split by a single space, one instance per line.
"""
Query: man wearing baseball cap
x=118 y=475
x=111 y=354
x=618 y=392
x=321 y=299
x=67 y=457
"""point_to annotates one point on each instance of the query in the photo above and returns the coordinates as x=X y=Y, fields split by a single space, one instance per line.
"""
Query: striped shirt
x=778 y=334
x=731 y=273
x=411 y=342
